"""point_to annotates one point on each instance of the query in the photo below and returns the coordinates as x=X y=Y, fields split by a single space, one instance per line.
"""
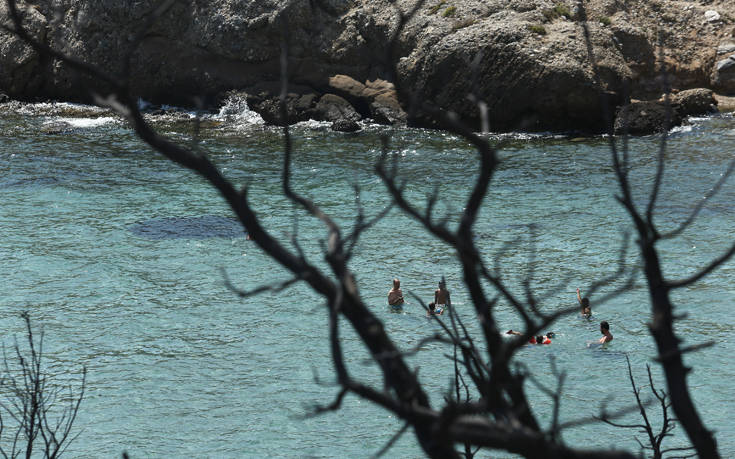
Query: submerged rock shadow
x=199 y=227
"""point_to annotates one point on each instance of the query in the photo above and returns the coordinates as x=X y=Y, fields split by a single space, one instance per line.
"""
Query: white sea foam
x=313 y=125
x=681 y=129
x=85 y=122
x=236 y=110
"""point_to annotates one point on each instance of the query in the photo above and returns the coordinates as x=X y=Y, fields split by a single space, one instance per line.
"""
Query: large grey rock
x=648 y=117
x=376 y=99
x=19 y=63
x=480 y=51
x=723 y=74
x=526 y=82
x=694 y=102
x=334 y=108
x=645 y=117
x=265 y=99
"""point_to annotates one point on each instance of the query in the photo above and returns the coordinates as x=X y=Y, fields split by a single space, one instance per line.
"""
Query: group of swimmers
x=586 y=312
x=437 y=307
x=442 y=301
x=584 y=303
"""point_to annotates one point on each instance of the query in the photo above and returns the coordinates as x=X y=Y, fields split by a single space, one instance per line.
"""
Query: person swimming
x=584 y=303
x=540 y=339
x=434 y=311
x=605 y=330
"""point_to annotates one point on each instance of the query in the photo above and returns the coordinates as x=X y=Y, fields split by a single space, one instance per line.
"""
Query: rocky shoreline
x=499 y=65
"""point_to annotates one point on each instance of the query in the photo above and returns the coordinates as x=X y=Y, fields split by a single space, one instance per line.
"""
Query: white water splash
x=85 y=122
x=681 y=129
x=236 y=110
x=313 y=125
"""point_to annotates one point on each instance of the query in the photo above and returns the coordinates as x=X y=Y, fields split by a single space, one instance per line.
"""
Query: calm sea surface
x=119 y=255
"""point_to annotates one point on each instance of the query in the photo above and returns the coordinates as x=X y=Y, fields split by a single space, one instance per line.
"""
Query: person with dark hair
x=441 y=296
x=584 y=303
x=605 y=330
x=433 y=310
x=395 y=295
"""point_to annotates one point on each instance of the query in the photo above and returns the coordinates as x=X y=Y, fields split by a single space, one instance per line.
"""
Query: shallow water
x=119 y=255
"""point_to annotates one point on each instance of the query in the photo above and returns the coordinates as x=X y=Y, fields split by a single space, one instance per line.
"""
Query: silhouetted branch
x=30 y=401
x=334 y=406
x=501 y=416
x=659 y=291
x=655 y=440
x=257 y=291
x=680 y=351
x=661 y=158
x=392 y=440
x=714 y=264
x=700 y=205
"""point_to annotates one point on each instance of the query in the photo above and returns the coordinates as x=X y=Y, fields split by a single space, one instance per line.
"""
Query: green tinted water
x=118 y=254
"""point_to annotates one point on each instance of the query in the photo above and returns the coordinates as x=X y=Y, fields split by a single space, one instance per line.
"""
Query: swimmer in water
x=434 y=311
x=584 y=303
x=605 y=330
x=542 y=339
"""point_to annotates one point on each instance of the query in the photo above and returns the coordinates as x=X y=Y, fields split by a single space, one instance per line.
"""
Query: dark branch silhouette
x=655 y=439
x=489 y=407
x=42 y=413
x=662 y=316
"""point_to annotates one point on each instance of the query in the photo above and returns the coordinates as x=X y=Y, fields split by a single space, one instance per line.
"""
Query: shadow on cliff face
x=200 y=227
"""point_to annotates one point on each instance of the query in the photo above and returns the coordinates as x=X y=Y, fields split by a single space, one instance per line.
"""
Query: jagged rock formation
x=519 y=64
x=645 y=117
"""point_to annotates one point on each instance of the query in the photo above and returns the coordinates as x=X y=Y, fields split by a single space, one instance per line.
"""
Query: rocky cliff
x=505 y=64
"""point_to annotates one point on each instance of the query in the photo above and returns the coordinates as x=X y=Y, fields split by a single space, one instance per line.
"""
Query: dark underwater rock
x=198 y=227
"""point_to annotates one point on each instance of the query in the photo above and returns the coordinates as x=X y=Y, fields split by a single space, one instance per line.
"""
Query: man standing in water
x=441 y=296
x=395 y=295
x=605 y=330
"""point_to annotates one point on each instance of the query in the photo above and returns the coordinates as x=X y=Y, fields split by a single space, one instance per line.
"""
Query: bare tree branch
x=393 y=440
x=257 y=291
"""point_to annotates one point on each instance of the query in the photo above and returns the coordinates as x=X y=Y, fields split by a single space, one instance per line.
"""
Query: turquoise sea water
x=119 y=255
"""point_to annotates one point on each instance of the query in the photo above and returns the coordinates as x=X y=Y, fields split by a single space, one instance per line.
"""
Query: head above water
x=396 y=283
x=432 y=306
x=550 y=334
x=540 y=339
x=604 y=326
